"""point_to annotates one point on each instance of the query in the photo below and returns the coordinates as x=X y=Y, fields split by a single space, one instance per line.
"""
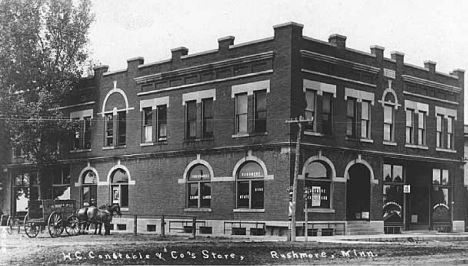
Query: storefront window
x=89 y=189
x=393 y=193
x=250 y=186
x=199 y=187
x=61 y=186
x=25 y=188
x=119 y=188
x=440 y=195
x=318 y=179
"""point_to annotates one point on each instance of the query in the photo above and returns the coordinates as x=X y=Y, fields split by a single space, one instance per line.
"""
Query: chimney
x=378 y=51
x=133 y=63
x=224 y=43
x=178 y=52
x=399 y=57
x=338 y=40
x=99 y=70
x=430 y=65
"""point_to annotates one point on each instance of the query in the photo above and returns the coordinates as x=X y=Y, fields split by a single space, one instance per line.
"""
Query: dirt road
x=150 y=249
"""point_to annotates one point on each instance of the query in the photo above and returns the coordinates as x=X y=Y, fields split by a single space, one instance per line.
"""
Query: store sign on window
x=316 y=196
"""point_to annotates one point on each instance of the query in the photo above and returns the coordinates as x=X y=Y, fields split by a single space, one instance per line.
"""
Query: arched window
x=199 y=187
x=119 y=187
x=389 y=104
x=318 y=179
x=250 y=186
x=89 y=189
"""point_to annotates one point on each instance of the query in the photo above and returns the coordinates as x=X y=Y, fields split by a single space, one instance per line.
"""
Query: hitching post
x=163 y=226
x=135 y=221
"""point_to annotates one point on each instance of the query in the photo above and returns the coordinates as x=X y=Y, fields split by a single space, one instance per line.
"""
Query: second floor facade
x=241 y=95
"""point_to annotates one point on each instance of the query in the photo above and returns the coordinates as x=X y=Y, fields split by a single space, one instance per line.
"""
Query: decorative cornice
x=430 y=98
x=339 y=61
x=76 y=105
x=205 y=67
x=339 y=78
x=432 y=84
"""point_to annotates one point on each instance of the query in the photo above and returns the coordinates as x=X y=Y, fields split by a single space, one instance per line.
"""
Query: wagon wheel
x=30 y=228
x=55 y=224
x=72 y=225
x=10 y=225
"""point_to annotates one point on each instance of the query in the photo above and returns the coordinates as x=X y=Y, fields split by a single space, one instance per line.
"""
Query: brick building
x=205 y=135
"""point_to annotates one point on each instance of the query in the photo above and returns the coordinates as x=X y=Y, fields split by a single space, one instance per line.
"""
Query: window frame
x=200 y=184
x=260 y=114
x=450 y=132
x=410 y=125
x=390 y=124
x=64 y=174
x=239 y=114
x=92 y=190
x=327 y=124
x=250 y=181
x=311 y=109
x=161 y=122
x=366 y=122
x=147 y=124
x=422 y=128
x=351 y=119
x=120 y=188
x=207 y=118
x=191 y=119
x=440 y=131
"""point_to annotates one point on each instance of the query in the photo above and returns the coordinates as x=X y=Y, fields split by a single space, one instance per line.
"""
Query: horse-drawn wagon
x=57 y=215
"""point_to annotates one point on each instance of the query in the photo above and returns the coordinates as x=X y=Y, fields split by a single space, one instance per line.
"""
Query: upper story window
x=114 y=110
x=359 y=104
x=319 y=99
x=410 y=126
x=199 y=187
x=241 y=113
x=207 y=118
x=366 y=119
x=250 y=186
x=82 y=136
x=199 y=114
x=250 y=105
x=61 y=184
x=416 y=117
x=390 y=104
x=445 y=128
x=311 y=99
x=260 y=111
x=154 y=120
x=351 y=117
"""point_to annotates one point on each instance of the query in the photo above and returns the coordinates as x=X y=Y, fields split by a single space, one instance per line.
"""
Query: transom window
x=318 y=179
x=250 y=186
x=199 y=187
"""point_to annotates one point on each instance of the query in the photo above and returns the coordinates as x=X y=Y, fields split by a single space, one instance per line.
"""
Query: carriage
x=56 y=215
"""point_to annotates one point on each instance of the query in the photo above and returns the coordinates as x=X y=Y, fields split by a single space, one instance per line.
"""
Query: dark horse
x=98 y=216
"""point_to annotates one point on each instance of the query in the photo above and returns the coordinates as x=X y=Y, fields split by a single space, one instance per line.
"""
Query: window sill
x=114 y=147
x=313 y=133
x=248 y=210
x=196 y=139
x=412 y=146
x=124 y=209
x=320 y=210
x=389 y=143
x=446 y=150
x=197 y=209
x=367 y=140
x=246 y=135
x=146 y=144
x=80 y=150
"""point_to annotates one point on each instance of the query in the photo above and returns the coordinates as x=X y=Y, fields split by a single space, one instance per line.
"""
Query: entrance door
x=358 y=193
x=419 y=207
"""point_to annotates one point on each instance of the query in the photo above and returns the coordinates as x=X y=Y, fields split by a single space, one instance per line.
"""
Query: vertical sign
x=316 y=195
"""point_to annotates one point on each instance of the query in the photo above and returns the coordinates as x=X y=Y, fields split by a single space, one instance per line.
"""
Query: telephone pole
x=299 y=122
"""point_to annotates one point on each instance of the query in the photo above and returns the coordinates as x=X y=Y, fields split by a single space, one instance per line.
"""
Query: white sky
x=422 y=29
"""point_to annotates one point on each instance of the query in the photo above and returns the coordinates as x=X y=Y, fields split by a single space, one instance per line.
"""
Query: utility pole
x=299 y=122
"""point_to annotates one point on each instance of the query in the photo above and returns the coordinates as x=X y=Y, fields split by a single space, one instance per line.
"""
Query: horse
x=98 y=216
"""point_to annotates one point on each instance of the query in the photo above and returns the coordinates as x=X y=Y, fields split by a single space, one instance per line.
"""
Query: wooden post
x=135 y=223
x=306 y=230
x=194 y=227
x=163 y=227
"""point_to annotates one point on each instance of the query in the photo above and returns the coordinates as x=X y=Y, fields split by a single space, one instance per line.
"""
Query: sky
x=421 y=29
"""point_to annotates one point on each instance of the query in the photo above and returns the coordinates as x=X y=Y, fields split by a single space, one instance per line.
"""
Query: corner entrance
x=358 y=193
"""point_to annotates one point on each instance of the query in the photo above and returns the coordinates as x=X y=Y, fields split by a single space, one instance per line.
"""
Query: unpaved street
x=150 y=249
